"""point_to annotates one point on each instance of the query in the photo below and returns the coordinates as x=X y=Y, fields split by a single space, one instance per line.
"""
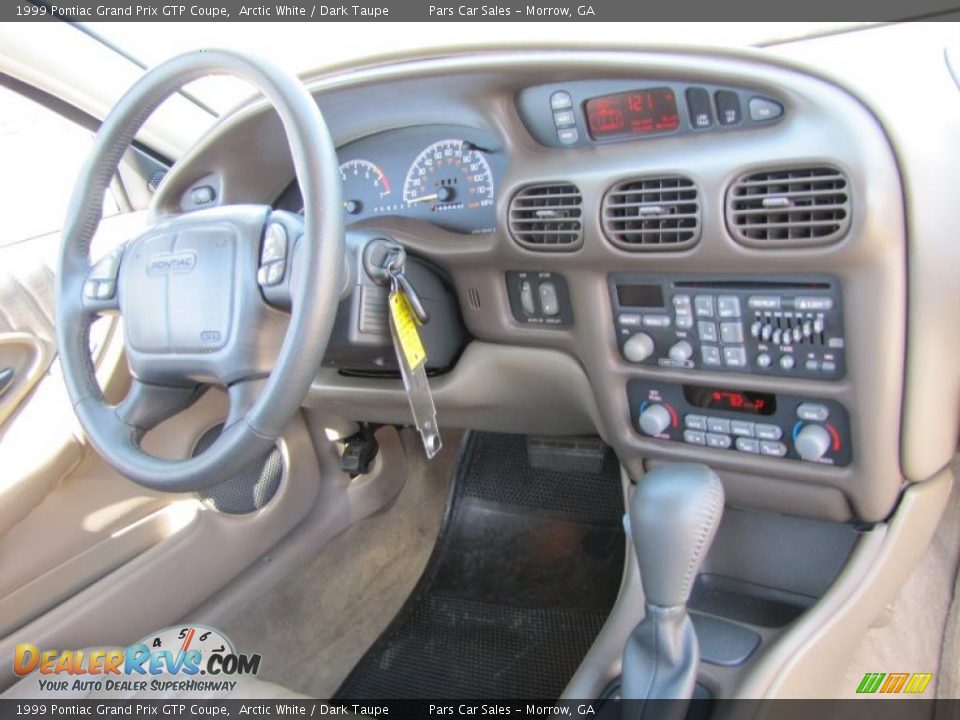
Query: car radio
x=790 y=326
x=745 y=421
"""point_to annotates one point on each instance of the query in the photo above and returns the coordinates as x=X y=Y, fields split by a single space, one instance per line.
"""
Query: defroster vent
x=792 y=207
x=652 y=214
x=547 y=216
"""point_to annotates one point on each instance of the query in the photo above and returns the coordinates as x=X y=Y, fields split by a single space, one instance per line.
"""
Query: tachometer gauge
x=364 y=186
x=449 y=175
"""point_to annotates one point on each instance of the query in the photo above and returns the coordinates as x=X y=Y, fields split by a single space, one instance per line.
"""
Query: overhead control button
x=698 y=105
x=764 y=109
x=728 y=108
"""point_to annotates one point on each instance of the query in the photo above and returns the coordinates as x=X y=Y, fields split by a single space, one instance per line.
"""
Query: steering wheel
x=201 y=301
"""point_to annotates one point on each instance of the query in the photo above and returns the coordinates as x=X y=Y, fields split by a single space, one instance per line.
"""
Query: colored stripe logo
x=892 y=683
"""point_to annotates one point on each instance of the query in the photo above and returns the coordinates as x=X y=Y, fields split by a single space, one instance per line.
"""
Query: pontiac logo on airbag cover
x=169 y=263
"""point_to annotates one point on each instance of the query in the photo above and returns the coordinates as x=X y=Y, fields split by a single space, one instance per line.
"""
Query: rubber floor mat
x=525 y=570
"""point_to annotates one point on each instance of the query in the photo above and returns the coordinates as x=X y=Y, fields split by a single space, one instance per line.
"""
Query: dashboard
x=697 y=256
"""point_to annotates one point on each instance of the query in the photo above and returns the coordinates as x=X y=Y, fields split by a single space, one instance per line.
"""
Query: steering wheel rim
x=314 y=288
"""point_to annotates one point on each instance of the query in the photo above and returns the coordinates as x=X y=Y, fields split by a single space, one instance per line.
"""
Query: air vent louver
x=547 y=217
x=652 y=214
x=792 y=207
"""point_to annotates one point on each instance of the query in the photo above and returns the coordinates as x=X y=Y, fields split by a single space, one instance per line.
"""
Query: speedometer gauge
x=449 y=175
x=365 y=186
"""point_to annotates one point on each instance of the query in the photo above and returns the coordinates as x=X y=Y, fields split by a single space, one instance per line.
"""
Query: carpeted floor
x=314 y=627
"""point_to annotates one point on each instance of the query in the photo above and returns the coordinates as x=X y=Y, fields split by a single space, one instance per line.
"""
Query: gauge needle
x=425 y=198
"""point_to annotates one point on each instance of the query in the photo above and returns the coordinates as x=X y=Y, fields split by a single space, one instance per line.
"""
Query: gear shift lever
x=674 y=515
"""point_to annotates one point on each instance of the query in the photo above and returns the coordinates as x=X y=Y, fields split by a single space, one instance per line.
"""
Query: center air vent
x=652 y=214
x=793 y=207
x=547 y=217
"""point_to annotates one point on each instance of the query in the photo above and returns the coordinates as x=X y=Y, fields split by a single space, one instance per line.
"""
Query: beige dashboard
x=894 y=265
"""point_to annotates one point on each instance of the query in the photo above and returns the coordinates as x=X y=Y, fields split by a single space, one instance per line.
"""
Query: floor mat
x=523 y=575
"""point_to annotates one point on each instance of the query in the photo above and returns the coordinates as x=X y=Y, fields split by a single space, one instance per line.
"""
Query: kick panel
x=755 y=423
x=789 y=326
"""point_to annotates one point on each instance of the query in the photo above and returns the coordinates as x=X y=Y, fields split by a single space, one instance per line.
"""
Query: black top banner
x=474 y=11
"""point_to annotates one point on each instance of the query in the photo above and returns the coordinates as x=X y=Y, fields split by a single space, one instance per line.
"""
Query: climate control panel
x=788 y=326
x=745 y=421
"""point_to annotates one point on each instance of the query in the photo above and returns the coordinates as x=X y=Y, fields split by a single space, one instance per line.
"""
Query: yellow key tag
x=407 y=331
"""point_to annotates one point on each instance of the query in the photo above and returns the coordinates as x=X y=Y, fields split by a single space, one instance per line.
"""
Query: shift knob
x=674 y=515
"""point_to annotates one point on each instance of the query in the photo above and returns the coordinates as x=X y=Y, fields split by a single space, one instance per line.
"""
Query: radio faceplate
x=789 y=326
x=756 y=423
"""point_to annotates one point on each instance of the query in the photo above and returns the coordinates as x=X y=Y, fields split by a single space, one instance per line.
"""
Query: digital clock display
x=742 y=401
x=642 y=112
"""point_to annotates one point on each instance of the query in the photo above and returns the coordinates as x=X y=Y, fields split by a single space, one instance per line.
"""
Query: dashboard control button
x=655 y=419
x=710 y=355
x=787 y=362
x=106 y=289
x=526 y=298
x=721 y=442
x=813 y=412
x=638 y=347
x=681 y=352
x=728 y=107
x=684 y=319
x=763 y=302
x=768 y=432
x=703 y=304
x=735 y=356
x=776 y=336
x=731 y=332
x=695 y=422
x=818 y=325
x=755 y=329
x=695 y=437
x=656 y=321
x=813 y=303
x=728 y=306
x=828 y=366
x=766 y=332
x=812 y=365
x=681 y=301
x=718 y=425
x=764 y=360
x=548 y=299
x=743 y=428
x=812 y=442
x=707 y=331
x=630 y=319
x=748 y=445
x=568 y=136
x=798 y=333
x=564 y=118
x=561 y=100
x=772 y=449
x=271 y=274
x=698 y=104
x=764 y=109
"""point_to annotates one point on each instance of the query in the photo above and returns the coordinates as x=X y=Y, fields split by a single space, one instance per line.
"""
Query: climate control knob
x=638 y=347
x=655 y=419
x=812 y=442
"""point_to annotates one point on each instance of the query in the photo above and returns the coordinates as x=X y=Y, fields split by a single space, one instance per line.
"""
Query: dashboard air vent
x=793 y=207
x=547 y=216
x=652 y=214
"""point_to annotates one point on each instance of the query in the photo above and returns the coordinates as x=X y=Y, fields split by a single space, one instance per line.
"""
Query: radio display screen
x=644 y=296
x=743 y=401
x=643 y=112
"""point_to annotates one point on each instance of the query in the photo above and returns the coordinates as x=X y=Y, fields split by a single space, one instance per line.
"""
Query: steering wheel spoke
x=147 y=405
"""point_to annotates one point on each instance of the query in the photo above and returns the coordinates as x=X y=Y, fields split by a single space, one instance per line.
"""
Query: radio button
x=773 y=449
x=813 y=303
x=710 y=354
x=813 y=412
x=735 y=357
x=812 y=365
x=787 y=362
x=695 y=422
x=656 y=321
x=768 y=432
x=763 y=302
x=629 y=319
x=731 y=332
x=756 y=328
x=703 y=304
x=684 y=320
x=828 y=366
x=695 y=437
x=721 y=442
x=743 y=428
x=748 y=445
x=766 y=332
x=718 y=425
x=681 y=301
x=707 y=331
x=728 y=306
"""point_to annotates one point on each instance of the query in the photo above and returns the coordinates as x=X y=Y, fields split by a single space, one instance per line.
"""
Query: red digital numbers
x=636 y=113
